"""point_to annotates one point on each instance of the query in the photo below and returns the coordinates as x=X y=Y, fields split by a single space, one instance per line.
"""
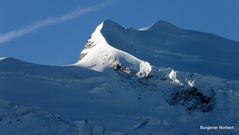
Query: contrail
x=50 y=21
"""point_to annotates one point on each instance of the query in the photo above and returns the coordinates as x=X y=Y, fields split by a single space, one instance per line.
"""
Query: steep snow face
x=164 y=44
x=98 y=55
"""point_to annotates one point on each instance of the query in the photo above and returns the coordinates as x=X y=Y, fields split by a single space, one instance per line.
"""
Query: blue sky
x=61 y=43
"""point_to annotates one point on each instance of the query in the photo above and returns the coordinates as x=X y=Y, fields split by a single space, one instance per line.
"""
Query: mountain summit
x=100 y=56
x=164 y=44
x=159 y=80
x=162 y=26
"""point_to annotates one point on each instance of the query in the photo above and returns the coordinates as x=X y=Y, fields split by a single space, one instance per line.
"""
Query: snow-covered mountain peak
x=161 y=44
x=111 y=25
x=99 y=55
x=161 y=26
x=143 y=78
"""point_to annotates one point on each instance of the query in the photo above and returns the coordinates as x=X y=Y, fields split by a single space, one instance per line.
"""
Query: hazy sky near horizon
x=55 y=31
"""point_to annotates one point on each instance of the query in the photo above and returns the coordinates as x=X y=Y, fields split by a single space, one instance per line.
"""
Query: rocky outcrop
x=90 y=44
x=192 y=99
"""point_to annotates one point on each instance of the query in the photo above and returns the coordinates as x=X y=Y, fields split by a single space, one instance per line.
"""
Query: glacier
x=155 y=80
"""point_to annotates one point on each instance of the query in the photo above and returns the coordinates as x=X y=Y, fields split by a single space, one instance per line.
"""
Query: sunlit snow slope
x=164 y=44
x=156 y=80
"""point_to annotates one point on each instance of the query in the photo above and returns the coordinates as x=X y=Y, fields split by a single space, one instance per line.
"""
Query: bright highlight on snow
x=99 y=56
x=2 y=58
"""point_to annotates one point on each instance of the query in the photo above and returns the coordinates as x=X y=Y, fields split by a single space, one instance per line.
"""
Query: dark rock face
x=117 y=66
x=192 y=99
x=88 y=45
x=82 y=55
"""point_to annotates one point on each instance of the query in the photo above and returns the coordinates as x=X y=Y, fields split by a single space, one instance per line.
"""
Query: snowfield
x=156 y=80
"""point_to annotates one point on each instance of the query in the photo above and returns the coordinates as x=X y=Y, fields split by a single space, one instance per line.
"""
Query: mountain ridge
x=161 y=48
x=119 y=87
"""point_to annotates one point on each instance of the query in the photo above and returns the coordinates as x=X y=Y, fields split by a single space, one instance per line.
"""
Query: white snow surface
x=173 y=76
x=102 y=55
x=164 y=44
x=119 y=87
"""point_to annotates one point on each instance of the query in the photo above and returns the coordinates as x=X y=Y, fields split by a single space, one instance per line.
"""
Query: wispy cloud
x=50 y=21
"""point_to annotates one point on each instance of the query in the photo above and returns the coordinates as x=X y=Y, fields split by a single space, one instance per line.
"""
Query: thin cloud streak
x=50 y=21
